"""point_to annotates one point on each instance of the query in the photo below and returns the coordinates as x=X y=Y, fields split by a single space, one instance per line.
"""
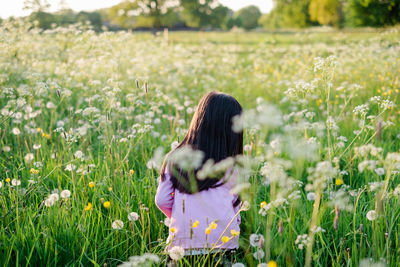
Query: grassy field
x=82 y=114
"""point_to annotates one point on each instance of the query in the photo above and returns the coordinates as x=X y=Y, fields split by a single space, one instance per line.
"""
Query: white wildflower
x=16 y=131
x=256 y=240
x=176 y=253
x=65 y=194
x=117 y=224
x=15 y=182
x=29 y=157
x=380 y=171
x=133 y=216
x=372 y=215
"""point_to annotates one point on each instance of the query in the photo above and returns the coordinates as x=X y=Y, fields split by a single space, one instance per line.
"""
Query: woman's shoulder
x=230 y=178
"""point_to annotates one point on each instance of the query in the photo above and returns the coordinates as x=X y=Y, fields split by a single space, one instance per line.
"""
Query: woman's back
x=200 y=220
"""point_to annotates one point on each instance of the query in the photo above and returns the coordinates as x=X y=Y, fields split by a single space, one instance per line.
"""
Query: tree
x=44 y=19
x=201 y=13
x=93 y=17
x=375 y=13
x=247 y=17
x=144 y=13
x=287 y=14
x=326 y=12
x=36 y=5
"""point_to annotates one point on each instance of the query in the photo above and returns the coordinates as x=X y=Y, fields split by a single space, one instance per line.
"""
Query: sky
x=15 y=7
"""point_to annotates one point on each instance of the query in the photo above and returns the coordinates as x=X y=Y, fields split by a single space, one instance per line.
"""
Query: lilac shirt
x=205 y=206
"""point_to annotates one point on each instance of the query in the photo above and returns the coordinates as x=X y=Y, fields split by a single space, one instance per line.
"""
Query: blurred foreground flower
x=145 y=260
x=176 y=253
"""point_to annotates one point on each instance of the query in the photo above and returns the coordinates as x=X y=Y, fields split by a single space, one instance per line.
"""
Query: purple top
x=214 y=204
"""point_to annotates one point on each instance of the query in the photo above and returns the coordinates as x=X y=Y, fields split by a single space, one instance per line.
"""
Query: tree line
x=210 y=14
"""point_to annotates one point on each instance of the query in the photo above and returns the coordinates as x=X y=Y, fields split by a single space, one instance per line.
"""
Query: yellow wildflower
x=131 y=172
x=213 y=225
x=195 y=224
x=32 y=170
x=208 y=231
x=8 y=180
x=91 y=184
x=88 y=206
x=110 y=189
x=272 y=264
x=263 y=204
x=338 y=181
x=107 y=204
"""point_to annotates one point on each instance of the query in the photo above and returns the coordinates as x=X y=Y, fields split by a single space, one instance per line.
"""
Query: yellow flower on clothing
x=107 y=204
x=172 y=229
x=195 y=224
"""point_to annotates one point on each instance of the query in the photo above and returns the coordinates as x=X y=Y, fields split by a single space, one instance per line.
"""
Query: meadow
x=86 y=118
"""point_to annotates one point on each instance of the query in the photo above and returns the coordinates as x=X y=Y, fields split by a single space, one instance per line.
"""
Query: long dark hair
x=210 y=131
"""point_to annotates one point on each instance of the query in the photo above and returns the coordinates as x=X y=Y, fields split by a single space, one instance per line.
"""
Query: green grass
x=76 y=69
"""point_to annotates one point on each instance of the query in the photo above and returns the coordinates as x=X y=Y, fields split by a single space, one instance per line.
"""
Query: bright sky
x=14 y=7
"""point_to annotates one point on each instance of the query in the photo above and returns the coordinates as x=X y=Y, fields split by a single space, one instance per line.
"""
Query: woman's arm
x=165 y=194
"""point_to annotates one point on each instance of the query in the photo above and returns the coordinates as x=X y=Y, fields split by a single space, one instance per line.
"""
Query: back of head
x=210 y=131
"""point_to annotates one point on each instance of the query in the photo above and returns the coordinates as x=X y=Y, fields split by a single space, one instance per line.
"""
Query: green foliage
x=65 y=17
x=36 y=5
x=148 y=14
x=326 y=12
x=200 y=14
x=45 y=20
x=287 y=14
x=375 y=13
x=94 y=18
x=247 y=17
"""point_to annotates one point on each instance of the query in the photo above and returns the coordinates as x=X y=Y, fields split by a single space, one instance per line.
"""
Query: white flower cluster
x=366 y=150
x=211 y=169
x=320 y=175
x=156 y=161
x=186 y=158
x=54 y=197
x=265 y=115
x=302 y=241
x=146 y=259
